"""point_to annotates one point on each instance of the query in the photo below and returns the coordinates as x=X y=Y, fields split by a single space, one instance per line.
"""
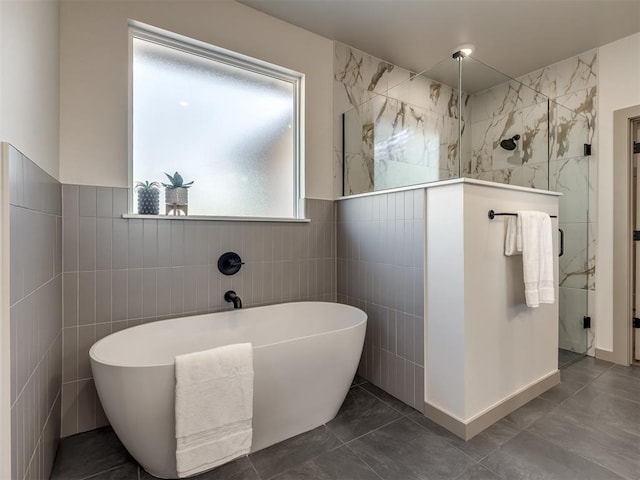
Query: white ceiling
x=513 y=36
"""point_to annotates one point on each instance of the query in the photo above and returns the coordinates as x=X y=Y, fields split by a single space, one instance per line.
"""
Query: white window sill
x=217 y=219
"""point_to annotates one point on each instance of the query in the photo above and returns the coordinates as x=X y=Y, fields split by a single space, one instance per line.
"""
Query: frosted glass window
x=230 y=128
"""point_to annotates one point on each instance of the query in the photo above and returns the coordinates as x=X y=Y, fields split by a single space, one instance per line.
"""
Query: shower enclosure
x=462 y=118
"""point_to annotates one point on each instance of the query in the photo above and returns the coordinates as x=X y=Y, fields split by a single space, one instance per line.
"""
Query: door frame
x=622 y=234
x=634 y=350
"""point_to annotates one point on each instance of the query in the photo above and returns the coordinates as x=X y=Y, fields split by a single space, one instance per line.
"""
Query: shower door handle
x=561 y=242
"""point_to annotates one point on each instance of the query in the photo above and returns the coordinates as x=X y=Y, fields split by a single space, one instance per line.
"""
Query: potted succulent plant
x=148 y=197
x=176 y=193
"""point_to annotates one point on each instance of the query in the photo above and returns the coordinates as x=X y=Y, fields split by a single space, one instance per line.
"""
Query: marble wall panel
x=400 y=119
x=448 y=151
x=498 y=118
x=542 y=80
x=572 y=309
x=509 y=176
x=584 y=103
x=536 y=176
x=571 y=178
x=571 y=85
x=534 y=142
x=550 y=152
x=359 y=73
x=502 y=99
x=573 y=264
x=577 y=73
x=359 y=173
x=426 y=93
x=571 y=132
x=486 y=135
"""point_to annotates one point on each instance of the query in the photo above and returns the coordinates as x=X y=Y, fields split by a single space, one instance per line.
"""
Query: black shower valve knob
x=229 y=263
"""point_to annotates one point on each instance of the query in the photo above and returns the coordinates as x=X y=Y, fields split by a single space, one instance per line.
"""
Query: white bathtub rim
x=94 y=358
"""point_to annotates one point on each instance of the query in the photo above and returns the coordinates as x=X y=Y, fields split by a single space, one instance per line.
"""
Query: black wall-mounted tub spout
x=230 y=296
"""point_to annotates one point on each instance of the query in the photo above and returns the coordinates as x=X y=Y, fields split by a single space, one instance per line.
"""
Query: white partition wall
x=486 y=352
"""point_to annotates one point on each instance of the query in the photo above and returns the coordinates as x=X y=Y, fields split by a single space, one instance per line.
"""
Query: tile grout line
x=485 y=466
x=590 y=460
x=363 y=461
x=254 y=467
x=591 y=381
x=35 y=290
x=449 y=442
x=374 y=430
x=93 y=475
x=18 y=395
x=385 y=402
x=342 y=444
x=530 y=432
x=307 y=460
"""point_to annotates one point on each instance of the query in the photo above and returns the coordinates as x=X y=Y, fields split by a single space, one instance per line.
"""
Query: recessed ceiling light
x=183 y=103
x=463 y=51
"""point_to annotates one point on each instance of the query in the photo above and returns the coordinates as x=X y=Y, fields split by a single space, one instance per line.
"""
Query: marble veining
x=571 y=178
x=577 y=73
x=404 y=130
x=571 y=131
x=574 y=268
x=383 y=68
x=535 y=134
x=503 y=98
x=403 y=135
x=542 y=80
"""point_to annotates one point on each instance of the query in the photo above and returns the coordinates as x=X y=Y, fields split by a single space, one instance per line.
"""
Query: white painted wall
x=29 y=119
x=94 y=67
x=29 y=79
x=444 y=299
x=619 y=87
x=482 y=343
x=508 y=346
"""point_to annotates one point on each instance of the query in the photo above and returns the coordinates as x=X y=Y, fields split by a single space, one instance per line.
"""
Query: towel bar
x=492 y=214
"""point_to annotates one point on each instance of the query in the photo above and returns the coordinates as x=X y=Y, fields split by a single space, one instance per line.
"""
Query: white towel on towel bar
x=511 y=240
x=530 y=233
x=214 y=407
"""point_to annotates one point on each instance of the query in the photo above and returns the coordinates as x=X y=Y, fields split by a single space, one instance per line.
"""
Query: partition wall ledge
x=454 y=181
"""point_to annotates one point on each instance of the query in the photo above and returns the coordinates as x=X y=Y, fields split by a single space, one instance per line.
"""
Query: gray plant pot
x=176 y=196
x=148 y=201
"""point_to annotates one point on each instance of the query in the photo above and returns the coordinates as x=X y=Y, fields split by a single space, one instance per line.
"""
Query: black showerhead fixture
x=510 y=143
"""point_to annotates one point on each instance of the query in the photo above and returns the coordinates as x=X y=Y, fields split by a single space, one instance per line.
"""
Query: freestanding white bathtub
x=305 y=356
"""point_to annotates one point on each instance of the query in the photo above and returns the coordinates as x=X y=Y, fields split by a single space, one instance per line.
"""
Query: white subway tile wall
x=123 y=272
x=381 y=270
x=35 y=316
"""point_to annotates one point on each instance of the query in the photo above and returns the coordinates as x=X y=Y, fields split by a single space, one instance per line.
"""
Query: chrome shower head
x=510 y=143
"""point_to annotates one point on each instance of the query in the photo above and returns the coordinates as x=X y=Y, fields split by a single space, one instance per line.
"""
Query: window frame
x=212 y=52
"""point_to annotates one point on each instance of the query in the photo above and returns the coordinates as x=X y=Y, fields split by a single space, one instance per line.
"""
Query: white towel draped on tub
x=214 y=407
x=530 y=233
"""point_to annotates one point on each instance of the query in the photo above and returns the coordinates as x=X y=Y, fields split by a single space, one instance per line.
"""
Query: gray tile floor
x=567 y=357
x=587 y=427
